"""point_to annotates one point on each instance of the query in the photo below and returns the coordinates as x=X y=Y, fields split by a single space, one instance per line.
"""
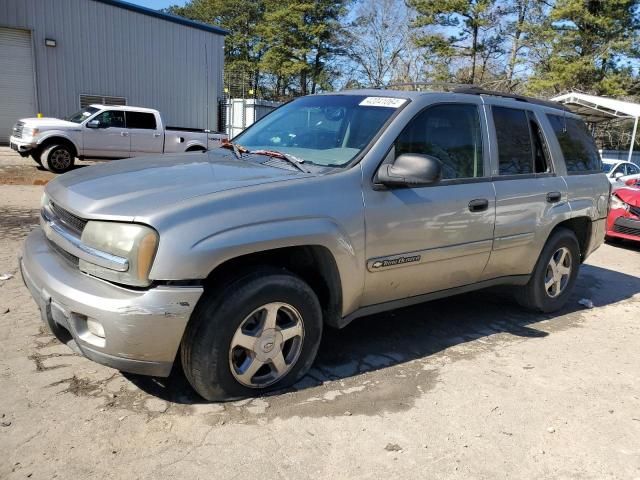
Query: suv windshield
x=82 y=115
x=327 y=130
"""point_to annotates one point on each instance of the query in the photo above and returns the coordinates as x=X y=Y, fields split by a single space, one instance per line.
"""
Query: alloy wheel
x=266 y=345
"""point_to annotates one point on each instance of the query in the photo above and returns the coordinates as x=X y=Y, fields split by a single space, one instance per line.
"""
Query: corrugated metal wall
x=106 y=50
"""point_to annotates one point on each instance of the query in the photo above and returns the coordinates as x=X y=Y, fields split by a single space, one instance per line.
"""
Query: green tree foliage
x=587 y=45
x=459 y=29
x=240 y=17
x=299 y=38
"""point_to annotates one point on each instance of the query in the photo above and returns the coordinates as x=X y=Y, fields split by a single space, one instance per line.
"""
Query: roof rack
x=472 y=90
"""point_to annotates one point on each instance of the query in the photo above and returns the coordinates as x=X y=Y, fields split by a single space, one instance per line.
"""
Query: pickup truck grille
x=76 y=224
x=17 y=129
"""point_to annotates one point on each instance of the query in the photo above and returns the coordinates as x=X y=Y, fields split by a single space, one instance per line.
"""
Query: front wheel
x=554 y=275
x=260 y=333
x=57 y=158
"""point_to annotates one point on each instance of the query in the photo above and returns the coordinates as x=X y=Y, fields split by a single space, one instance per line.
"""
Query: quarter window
x=449 y=132
x=141 y=120
x=577 y=145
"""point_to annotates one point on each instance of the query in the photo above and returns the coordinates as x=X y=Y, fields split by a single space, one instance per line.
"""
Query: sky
x=157 y=4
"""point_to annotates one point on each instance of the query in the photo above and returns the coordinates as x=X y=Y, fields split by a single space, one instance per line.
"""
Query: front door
x=421 y=240
x=110 y=139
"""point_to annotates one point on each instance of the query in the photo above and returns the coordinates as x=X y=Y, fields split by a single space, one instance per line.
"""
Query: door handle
x=124 y=134
x=554 y=197
x=157 y=135
x=478 y=205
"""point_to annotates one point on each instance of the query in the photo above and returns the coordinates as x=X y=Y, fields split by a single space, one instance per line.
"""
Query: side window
x=515 y=150
x=632 y=169
x=142 y=120
x=449 y=132
x=577 y=145
x=111 y=118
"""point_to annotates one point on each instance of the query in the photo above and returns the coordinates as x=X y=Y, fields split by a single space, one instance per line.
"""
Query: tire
x=195 y=149
x=235 y=315
x=57 y=158
x=563 y=247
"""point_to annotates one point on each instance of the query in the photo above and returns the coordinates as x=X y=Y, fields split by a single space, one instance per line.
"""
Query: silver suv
x=331 y=208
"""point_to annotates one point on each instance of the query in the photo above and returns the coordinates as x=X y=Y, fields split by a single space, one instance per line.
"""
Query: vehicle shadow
x=624 y=244
x=391 y=338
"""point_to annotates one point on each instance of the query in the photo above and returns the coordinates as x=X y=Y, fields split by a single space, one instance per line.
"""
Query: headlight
x=30 y=132
x=616 y=203
x=136 y=243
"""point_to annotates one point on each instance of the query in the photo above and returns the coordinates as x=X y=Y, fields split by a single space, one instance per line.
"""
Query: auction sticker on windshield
x=382 y=102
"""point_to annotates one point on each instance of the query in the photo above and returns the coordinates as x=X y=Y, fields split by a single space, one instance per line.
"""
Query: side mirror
x=410 y=170
x=93 y=124
x=618 y=175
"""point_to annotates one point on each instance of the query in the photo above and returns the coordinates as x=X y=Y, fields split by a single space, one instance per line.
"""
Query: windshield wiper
x=238 y=149
x=295 y=161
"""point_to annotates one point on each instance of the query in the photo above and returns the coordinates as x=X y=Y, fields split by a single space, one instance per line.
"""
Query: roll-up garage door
x=17 y=88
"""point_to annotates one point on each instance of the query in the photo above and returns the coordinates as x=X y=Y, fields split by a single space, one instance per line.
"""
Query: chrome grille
x=70 y=220
x=17 y=129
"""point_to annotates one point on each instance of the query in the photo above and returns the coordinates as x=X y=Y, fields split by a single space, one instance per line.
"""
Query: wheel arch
x=315 y=264
x=581 y=227
x=57 y=139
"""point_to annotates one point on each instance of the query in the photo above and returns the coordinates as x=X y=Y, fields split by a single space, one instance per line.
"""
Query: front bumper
x=624 y=225
x=21 y=146
x=143 y=328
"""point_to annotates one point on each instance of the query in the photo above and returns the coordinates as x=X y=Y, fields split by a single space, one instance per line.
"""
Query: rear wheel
x=261 y=332
x=57 y=158
x=555 y=273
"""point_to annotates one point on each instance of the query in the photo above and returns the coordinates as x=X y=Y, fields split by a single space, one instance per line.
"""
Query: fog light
x=95 y=327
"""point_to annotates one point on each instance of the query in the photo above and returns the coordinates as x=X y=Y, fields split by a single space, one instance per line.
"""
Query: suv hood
x=126 y=189
x=48 y=122
x=630 y=195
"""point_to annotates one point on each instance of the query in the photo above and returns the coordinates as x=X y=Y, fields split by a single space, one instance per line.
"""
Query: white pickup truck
x=105 y=132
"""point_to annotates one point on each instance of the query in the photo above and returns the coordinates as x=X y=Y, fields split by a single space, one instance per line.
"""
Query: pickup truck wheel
x=260 y=333
x=57 y=158
x=554 y=275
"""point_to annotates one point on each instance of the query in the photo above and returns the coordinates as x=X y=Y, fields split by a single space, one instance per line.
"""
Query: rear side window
x=515 y=151
x=449 y=132
x=145 y=121
x=577 y=145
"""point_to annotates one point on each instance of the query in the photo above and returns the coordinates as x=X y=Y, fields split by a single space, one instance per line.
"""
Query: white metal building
x=59 y=55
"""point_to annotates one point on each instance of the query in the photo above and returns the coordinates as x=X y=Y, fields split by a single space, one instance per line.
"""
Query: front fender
x=68 y=136
x=204 y=255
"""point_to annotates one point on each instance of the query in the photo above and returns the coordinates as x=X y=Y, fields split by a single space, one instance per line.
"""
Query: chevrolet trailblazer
x=333 y=207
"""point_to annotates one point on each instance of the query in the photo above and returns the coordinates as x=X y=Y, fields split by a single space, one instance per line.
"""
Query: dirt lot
x=469 y=387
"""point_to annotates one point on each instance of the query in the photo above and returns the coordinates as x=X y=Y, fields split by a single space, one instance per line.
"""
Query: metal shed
x=58 y=55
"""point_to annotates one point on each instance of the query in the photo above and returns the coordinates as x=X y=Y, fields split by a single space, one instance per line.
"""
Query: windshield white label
x=382 y=102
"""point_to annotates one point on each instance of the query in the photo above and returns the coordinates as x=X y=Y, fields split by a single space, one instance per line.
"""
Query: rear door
x=110 y=139
x=530 y=194
x=424 y=239
x=146 y=135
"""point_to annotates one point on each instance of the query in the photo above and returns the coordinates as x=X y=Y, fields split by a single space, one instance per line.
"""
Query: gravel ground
x=467 y=387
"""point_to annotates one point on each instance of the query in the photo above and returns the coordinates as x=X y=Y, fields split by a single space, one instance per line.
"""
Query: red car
x=624 y=216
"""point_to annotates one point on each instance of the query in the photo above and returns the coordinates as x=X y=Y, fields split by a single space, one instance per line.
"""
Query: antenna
x=206 y=77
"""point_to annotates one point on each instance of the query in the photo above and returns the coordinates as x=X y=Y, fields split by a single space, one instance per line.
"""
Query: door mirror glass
x=410 y=170
x=93 y=124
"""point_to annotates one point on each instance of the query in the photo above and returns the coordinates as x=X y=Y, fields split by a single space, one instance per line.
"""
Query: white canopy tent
x=602 y=109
